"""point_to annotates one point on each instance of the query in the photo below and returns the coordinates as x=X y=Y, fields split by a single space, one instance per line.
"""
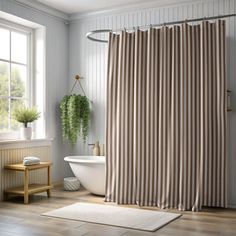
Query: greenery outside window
x=15 y=75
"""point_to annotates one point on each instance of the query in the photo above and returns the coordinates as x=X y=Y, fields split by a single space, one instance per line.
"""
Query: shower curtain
x=166 y=117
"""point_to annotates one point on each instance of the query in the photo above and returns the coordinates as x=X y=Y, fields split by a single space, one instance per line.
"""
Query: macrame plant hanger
x=77 y=80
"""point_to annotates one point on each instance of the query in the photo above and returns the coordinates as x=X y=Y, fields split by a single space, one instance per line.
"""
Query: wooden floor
x=25 y=220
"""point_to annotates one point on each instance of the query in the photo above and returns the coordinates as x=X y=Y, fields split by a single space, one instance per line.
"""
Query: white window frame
x=14 y=27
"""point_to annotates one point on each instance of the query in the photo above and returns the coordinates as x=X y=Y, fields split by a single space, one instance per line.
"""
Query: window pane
x=4 y=44
x=19 y=47
x=18 y=80
x=4 y=78
x=16 y=103
x=4 y=119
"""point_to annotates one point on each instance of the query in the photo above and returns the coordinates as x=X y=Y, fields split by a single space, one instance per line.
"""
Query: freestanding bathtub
x=90 y=170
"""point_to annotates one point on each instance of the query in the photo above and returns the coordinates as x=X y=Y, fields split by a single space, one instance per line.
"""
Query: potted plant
x=75 y=115
x=26 y=115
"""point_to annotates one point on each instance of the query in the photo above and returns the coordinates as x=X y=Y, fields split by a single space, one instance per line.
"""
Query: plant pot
x=26 y=133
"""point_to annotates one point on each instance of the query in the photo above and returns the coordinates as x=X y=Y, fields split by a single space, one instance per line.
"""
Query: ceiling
x=81 y=6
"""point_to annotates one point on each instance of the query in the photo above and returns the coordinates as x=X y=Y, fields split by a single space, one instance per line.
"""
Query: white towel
x=31 y=161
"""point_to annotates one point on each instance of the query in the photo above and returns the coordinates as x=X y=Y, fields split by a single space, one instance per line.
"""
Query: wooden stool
x=28 y=189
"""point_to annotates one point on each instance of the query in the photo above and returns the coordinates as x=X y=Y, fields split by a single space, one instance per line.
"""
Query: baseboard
x=57 y=183
x=232 y=206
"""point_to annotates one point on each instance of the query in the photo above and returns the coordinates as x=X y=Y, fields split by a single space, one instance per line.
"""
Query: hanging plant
x=75 y=115
x=64 y=117
x=84 y=112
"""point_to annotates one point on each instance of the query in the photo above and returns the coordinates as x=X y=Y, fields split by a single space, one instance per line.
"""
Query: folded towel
x=31 y=161
x=32 y=158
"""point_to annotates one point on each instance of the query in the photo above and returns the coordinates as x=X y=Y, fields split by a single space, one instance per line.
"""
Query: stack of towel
x=31 y=161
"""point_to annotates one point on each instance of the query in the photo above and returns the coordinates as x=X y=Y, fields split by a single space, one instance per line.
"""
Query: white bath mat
x=114 y=215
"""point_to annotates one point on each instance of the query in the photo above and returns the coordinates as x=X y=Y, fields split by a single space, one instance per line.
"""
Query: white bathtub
x=90 y=170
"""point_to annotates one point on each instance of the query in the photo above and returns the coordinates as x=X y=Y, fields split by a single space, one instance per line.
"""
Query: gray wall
x=89 y=59
x=57 y=57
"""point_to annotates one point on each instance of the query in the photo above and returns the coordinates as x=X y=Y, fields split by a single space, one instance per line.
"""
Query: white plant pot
x=26 y=133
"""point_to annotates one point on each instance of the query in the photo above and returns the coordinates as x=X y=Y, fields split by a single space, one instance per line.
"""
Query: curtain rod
x=93 y=32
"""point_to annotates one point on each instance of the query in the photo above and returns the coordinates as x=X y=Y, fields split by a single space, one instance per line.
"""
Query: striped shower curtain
x=166 y=117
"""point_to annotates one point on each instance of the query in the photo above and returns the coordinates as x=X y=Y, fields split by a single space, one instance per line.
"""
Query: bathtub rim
x=82 y=159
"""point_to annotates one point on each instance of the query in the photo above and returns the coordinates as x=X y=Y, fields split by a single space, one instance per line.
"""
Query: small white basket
x=71 y=184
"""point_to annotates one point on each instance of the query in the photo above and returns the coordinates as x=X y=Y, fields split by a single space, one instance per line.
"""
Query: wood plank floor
x=25 y=220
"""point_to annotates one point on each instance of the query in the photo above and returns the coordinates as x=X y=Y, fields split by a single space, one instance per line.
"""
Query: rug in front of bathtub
x=139 y=219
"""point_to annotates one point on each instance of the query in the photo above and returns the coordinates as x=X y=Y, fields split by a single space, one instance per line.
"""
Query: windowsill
x=20 y=143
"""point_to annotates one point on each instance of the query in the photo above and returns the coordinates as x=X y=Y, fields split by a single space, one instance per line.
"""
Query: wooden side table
x=28 y=189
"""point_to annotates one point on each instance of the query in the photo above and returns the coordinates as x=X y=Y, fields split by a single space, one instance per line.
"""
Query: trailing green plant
x=26 y=115
x=75 y=115
x=64 y=117
x=84 y=112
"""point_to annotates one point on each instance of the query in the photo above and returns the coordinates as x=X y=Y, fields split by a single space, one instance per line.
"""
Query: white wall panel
x=90 y=59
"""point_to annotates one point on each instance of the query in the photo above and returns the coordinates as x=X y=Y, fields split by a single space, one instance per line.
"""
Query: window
x=22 y=73
x=15 y=74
